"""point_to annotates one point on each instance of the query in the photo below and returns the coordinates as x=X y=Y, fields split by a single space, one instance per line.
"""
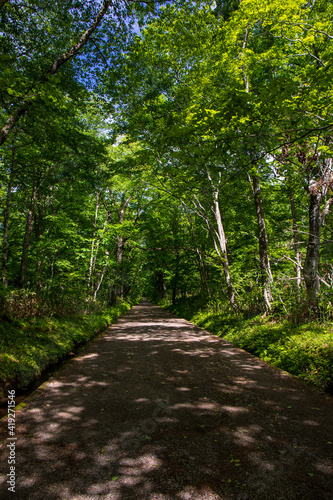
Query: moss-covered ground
x=28 y=347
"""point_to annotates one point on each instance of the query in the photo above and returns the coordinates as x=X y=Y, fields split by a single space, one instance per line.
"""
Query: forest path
x=158 y=409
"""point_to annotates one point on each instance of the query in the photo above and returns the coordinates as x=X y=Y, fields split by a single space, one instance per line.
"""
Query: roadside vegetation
x=29 y=346
x=173 y=149
x=304 y=350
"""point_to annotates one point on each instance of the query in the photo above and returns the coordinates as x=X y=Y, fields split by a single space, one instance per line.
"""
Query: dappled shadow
x=159 y=409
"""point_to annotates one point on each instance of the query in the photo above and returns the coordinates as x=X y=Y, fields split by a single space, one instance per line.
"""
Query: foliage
x=180 y=150
x=305 y=351
x=28 y=347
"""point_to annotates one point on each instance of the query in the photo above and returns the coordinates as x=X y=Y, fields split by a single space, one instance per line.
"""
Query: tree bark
x=296 y=241
x=201 y=265
x=317 y=192
x=120 y=277
x=310 y=268
x=6 y=218
x=265 y=268
x=38 y=233
x=160 y=288
x=120 y=250
x=26 y=241
x=222 y=244
x=224 y=254
x=89 y=281
x=100 y=281
x=203 y=274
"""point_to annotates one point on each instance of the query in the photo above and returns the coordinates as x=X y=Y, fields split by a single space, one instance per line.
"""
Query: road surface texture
x=158 y=409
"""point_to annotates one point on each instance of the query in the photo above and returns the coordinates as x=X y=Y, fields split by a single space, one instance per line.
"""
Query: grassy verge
x=305 y=351
x=28 y=347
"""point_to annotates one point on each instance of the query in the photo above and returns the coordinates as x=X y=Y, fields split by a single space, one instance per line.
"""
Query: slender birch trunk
x=89 y=281
x=296 y=241
x=224 y=254
x=119 y=284
x=100 y=281
x=222 y=240
x=26 y=241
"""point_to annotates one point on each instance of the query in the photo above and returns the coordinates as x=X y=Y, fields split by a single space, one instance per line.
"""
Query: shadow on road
x=159 y=409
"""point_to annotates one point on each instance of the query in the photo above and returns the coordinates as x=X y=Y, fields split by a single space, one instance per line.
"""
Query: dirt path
x=157 y=409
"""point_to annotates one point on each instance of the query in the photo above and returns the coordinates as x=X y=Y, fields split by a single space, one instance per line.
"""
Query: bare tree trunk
x=201 y=265
x=6 y=219
x=222 y=244
x=89 y=281
x=119 y=284
x=317 y=191
x=26 y=241
x=296 y=241
x=310 y=268
x=38 y=233
x=160 y=287
x=100 y=281
x=224 y=254
x=265 y=268
x=202 y=271
x=120 y=250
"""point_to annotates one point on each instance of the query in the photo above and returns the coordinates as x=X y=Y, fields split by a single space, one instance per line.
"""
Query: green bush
x=28 y=347
x=305 y=351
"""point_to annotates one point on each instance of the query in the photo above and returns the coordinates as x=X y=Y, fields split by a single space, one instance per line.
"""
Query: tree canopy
x=168 y=148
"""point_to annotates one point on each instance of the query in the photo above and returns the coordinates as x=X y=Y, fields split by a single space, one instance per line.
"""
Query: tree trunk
x=100 y=281
x=221 y=237
x=119 y=284
x=201 y=265
x=317 y=192
x=38 y=233
x=175 y=280
x=265 y=268
x=160 y=288
x=296 y=241
x=224 y=254
x=6 y=220
x=310 y=268
x=203 y=274
x=26 y=241
x=120 y=277
x=89 y=281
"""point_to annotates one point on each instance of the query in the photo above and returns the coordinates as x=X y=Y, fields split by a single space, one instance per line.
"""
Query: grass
x=28 y=347
x=305 y=351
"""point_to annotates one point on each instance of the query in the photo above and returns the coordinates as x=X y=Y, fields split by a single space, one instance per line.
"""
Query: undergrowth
x=305 y=351
x=28 y=347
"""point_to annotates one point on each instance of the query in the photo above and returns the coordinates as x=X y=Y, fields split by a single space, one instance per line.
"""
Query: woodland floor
x=158 y=409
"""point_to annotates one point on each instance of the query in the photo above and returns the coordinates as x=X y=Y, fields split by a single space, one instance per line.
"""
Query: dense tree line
x=166 y=148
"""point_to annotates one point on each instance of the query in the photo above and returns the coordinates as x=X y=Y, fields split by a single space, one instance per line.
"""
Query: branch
x=83 y=40
x=326 y=210
x=299 y=265
x=15 y=117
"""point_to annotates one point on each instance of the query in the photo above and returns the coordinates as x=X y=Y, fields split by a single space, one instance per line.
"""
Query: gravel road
x=158 y=409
